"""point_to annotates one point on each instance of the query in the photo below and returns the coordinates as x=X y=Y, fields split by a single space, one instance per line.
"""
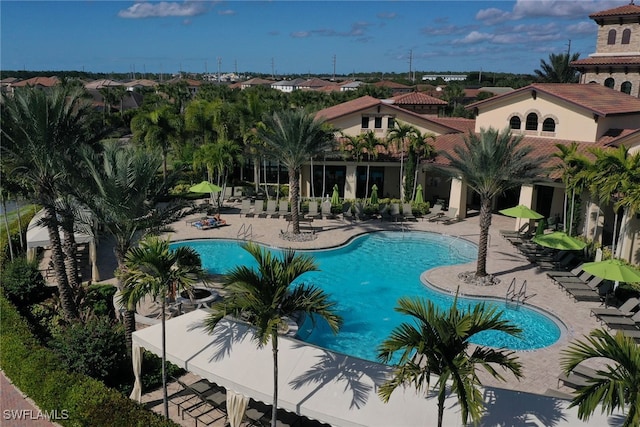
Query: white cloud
x=300 y=34
x=226 y=12
x=493 y=16
x=474 y=37
x=582 y=28
x=448 y=29
x=546 y=8
x=163 y=9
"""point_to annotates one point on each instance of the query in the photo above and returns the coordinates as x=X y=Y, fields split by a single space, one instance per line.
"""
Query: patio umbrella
x=521 y=211
x=374 y=195
x=542 y=225
x=559 y=240
x=205 y=187
x=419 y=198
x=335 y=197
x=613 y=269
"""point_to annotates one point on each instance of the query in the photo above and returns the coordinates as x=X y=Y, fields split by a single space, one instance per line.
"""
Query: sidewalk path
x=18 y=410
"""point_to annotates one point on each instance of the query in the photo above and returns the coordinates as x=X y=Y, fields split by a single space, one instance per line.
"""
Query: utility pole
x=480 y=75
x=273 y=74
x=334 y=68
x=235 y=67
x=569 y=50
x=219 y=63
x=411 y=64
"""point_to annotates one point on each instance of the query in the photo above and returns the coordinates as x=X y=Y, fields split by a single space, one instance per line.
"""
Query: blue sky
x=288 y=37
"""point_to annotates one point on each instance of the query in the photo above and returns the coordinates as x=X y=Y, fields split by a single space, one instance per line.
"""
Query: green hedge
x=40 y=374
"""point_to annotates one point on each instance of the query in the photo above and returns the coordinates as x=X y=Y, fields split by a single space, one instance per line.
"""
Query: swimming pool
x=368 y=275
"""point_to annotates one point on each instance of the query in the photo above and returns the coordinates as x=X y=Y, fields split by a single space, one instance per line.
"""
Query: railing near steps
x=517 y=296
x=245 y=232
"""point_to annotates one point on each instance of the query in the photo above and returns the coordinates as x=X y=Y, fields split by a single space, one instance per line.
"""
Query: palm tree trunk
x=573 y=205
x=441 y=398
x=415 y=179
x=165 y=400
x=366 y=189
x=294 y=183
x=6 y=224
x=71 y=262
x=57 y=258
x=274 y=344
x=313 y=191
x=324 y=171
x=402 y=174
x=615 y=233
x=485 y=223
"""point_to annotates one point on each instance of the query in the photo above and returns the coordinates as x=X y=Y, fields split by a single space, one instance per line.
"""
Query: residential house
x=287 y=86
x=396 y=88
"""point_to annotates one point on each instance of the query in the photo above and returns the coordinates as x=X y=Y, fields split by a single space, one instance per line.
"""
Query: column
x=350 y=182
x=458 y=197
x=527 y=193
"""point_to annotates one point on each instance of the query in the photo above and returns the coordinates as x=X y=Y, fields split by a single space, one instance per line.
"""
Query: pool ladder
x=245 y=232
x=519 y=296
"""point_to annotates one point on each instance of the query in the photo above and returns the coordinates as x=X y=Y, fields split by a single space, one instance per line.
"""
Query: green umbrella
x=521 y=211
x=419 y=198
x=559 y=240
x=374 y=195
x=205 y=187
x=335 y=197
x=613 y=269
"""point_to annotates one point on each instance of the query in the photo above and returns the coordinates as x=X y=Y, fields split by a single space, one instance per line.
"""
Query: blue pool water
x=368 y=276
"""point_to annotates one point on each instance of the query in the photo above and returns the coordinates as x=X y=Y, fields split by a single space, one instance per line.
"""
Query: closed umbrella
x=205 y=187
x=335 y=197
x=374 y=195
x=521 y=211
x=559 y=240
x=613 y=269
x=419 y=198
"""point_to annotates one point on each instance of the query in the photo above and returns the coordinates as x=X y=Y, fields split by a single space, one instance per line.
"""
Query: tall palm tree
x=400 y=135
x=159 y=128
x=123 y=186
x=491 y=163
x=370 y=144
x=200 y=117
x=419 y=148
x=574 y=168
x=266 y=296
x=154 y=269
x=558 y=69
x=617 y=385
x=292 y=137
x=437 y=343
x=40 y=131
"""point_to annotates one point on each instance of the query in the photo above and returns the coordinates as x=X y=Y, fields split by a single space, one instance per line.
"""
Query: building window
x=365 y=122
x=549 y=125
x=391 y=122
x=378 y=122
x=626 y=88
x=532 y=121
x=515 y=122
x=611 y=39
x=626 y=36
x=610 y=83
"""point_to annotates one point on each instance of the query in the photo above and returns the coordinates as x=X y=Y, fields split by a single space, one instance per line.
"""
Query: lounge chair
x=449 y=217
x=626 y=310
x=434 y=213
x=621 y=322
x=597 y=295
x=563 y=273
x=313 y=210
x=206 y=224
x=283 y=209
x=407 y=212
x=394 y=211
x=565 y=263
x=326 y=210
x=579 y=377
x=583 y=279
x=592 y=285
x=385 y=213
x=515 y=233
x=346 y=212
x=271 y=209
x=258 y=210
x=245 y=208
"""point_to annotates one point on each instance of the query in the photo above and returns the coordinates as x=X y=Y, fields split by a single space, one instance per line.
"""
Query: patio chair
x=579 y=376
x=258 y=209
x=346 y=212
x=407 y=212
x=592 y=284
x=565 y=263
x=582 y=279
x=326 y=210
x=621 y=322
x=593 y=295
x=246 y=209
x=449 y=217
x=563 y=273
x=394 y=211
x=313 y=213
x=627 y=309
x=434 y=213
x=515 y=233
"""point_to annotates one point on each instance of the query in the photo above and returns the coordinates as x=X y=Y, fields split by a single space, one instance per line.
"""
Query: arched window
x=626 y=36
x=610 y=83
x=549 y=125
x=611 y=39
x=515 y=122
x=626 y=88
x=532 y=121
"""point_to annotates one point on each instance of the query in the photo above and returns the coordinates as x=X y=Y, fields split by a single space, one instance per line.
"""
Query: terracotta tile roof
x=626 y=10
x=458 y=123
x=607 y=60
x=256 y=82
x=594 y=97
x=417 y=98
x=543 y=148
x=332 y=88
x=97 y=84
x=348 y=107
x=616 y=137
x=392 y=85
x=316 y=83
x=38 y=81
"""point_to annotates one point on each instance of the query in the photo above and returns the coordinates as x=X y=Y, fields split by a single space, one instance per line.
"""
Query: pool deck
x=541 y=368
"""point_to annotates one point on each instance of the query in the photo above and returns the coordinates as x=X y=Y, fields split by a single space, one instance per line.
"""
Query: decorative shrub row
x=14 y=233
x=42 y=376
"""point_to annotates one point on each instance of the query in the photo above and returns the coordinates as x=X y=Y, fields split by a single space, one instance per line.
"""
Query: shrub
x=22 y=283
x=99 y=299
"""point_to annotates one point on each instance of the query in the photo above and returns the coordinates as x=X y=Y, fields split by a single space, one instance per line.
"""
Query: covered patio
x=330 y=387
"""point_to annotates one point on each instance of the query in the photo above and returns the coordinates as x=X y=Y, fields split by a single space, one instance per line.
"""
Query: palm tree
x=41 y=130
x=437 y=343
x=616 y=386
x=200 y=119
x=558 y=69
x=159 y=128
x=574 y=168
x=265 y=297
x=370 y=144
x=491 y=163
x=400 y=135
x=614 y=178
x=292 y=137
x=154 y=269
x=419 y=147
x=123 y=186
